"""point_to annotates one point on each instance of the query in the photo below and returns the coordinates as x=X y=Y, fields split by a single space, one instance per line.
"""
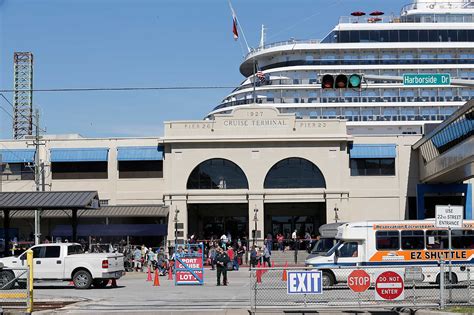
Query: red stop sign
x=358 y=281
x=389 y=285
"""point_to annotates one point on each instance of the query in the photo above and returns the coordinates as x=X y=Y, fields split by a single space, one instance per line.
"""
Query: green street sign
x=427 y=79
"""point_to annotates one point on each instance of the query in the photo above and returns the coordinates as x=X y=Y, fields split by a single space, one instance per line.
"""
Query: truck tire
x=82 y=279
x=328 y=279
x=6 y=276
x=100 y=283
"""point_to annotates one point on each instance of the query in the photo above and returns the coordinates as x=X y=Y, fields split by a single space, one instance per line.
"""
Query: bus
x=326 y=241
x=400 y=243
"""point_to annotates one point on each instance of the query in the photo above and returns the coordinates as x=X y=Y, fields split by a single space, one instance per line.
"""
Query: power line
x=125 y=89
x=13 y=107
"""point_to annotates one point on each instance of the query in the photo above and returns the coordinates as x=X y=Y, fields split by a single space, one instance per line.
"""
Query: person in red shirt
x=231 y=254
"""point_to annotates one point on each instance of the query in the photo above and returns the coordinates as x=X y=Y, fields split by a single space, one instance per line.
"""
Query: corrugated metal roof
x=18 y=156
x=79 y=155
x=139 y=154
x=373 y=151
x=104 y=211
x=32 y=200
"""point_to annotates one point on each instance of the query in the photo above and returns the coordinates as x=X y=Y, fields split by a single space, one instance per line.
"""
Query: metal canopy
x=105 y=211
x=51 y=200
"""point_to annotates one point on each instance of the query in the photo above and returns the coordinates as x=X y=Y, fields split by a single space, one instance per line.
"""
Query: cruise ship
x=427 y=37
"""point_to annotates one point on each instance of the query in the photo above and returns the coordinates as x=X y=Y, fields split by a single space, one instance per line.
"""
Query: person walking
x=137 y=259
x=266 y=256
x=212 y=257
x=253 y=256
x=222 y=259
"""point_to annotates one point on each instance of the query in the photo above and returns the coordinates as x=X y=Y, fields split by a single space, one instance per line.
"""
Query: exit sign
x=427 y=79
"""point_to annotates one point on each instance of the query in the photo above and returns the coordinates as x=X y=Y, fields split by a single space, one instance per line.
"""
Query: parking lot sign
x=304 y=282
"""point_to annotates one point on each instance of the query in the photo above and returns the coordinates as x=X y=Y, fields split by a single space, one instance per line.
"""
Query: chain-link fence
x=344 y=287
x=14 y=291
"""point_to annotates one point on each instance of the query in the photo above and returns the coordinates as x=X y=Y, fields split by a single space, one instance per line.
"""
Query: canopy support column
x=74 y=225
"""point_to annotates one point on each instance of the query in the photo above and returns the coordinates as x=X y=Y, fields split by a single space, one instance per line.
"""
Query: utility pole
x=37 y=177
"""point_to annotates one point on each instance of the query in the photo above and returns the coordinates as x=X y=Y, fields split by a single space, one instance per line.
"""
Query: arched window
x=217 y=174
x=294 y=173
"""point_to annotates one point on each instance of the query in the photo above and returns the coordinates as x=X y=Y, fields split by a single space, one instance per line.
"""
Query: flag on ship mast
x=234 y=24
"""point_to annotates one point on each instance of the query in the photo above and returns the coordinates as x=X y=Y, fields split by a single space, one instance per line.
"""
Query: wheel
x=82 y=279
x=328 y=279
x=6 y=280
x=100 y=283
x=454 y=278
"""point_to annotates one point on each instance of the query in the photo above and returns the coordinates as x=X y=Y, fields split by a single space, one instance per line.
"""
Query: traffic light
x=341 y=81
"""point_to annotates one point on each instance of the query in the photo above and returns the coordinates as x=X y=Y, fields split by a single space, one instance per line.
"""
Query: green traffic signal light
x=355 y=81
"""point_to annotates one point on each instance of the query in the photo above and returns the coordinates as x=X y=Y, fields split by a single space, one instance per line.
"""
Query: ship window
x=387 y=240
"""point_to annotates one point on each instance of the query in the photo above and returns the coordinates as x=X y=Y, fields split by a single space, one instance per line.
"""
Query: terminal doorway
x=208 y=221
x=286 y=217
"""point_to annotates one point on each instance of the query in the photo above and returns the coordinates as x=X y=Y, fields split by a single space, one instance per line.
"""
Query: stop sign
x=358 y=281
x=389 y=286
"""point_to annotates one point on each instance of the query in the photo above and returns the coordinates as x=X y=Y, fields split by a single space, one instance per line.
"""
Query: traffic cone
x=148 y=278
x=170 y=273
x=156 y=283
x=284 y=276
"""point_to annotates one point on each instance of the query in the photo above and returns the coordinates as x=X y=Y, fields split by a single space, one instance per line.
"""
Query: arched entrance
x=301 y=176
x=210 y=220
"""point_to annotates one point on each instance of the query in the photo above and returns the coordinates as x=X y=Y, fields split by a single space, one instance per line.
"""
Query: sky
x=145 y=43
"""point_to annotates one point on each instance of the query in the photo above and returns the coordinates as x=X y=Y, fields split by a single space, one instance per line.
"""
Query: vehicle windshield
x=74 y=249
x=323 y=245
x=333 y=249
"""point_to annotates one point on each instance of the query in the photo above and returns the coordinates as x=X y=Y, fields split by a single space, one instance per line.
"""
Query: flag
x=261 y=76
x=234 y=25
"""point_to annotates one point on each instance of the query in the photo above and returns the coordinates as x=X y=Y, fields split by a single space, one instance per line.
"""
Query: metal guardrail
x=424 y=286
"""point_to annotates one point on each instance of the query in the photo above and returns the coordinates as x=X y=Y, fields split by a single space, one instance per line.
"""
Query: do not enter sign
x=358 y=281
x=389 y=286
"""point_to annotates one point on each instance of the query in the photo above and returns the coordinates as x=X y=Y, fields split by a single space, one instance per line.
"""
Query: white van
x=400 y=243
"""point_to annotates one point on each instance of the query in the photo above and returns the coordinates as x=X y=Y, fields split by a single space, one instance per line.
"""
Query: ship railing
x=368 y=19
x=283 y=43
x=436 y=6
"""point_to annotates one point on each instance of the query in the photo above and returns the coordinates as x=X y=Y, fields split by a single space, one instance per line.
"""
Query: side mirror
x=22 y=257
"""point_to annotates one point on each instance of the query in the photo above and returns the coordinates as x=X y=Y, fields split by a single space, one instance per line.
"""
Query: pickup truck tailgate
x=115 y=262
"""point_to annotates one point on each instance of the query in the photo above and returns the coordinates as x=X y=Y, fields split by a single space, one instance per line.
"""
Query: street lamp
x=336 y=216
x=255 y=219
x=175 y=220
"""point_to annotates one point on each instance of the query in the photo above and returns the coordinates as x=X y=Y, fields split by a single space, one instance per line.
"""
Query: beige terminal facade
x=298 y=174
x=252 y=168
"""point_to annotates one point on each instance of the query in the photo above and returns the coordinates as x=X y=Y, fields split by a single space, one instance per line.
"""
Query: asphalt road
x=135 y=295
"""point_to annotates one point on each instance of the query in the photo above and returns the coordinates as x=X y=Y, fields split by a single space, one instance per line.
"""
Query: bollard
x=29 y=282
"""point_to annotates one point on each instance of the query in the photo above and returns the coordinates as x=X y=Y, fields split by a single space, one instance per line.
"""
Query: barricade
x=14 y=293
x=388 y=287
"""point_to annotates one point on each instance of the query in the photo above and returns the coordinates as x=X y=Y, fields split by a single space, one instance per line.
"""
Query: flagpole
x=238 y=25
x=254 y=81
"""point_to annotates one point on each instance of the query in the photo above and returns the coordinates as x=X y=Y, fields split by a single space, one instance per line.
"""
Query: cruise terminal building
x=252 y=169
